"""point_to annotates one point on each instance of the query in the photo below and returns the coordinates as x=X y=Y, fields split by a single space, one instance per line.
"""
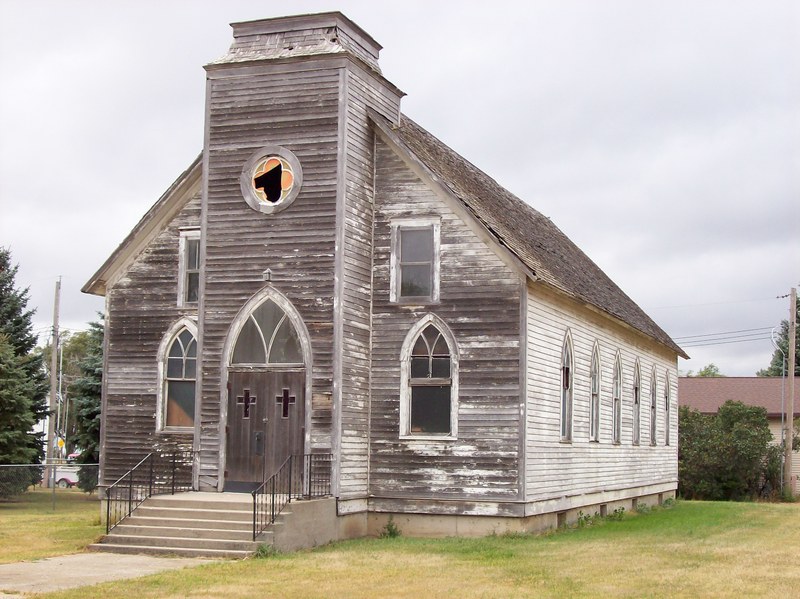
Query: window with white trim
x=653 y=406
x=429 y=393
x=616 y=402
x=179 y=370
x=666 y=408
x=594 y=390
x=566 y=389
x=415 y=261
x=189 y=268
x=637 y=401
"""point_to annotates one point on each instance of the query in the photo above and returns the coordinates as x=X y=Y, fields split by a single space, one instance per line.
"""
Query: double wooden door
x=265 y=425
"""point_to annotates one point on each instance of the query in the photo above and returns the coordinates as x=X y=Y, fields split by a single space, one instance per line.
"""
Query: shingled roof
x=533 y=238
x=707 y=394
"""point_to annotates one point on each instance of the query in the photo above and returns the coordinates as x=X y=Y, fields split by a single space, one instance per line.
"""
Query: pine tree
x=26 y=382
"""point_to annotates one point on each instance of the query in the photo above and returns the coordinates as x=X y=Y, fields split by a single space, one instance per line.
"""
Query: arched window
x=429 y=370
x=653 y=406
x=594 y=403
x=566 y=389
x=637 y=401
x=616 y=401
x=179 y=371
x=666 y=408
x=267 y=338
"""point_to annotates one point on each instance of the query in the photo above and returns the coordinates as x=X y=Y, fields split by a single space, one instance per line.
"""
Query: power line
x=722 y=333
x=710 y=342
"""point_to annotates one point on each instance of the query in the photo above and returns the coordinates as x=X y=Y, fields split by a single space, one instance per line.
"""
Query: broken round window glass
x=273 y=180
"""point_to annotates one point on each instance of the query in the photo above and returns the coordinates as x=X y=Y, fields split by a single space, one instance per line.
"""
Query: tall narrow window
x=666 y=408
x=616 y=402
x=179 y=382
x=429 y=394
x=594 y=403
x=415 y=261
x=637 y=400
x=189 y=270
x=653 y=407
x=566 y=390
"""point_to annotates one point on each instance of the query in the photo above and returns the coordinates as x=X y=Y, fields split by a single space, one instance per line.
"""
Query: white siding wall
x=557 y=470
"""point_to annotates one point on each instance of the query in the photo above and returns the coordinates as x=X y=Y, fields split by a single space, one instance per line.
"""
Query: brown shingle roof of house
x=533 y=238
x=707 y=394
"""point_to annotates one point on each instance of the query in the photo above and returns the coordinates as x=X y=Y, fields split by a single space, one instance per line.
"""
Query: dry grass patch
x=30 y=528
x=694 y=549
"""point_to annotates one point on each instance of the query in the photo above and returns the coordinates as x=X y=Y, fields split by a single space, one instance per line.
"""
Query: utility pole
x=51 y=419
x=788 y=433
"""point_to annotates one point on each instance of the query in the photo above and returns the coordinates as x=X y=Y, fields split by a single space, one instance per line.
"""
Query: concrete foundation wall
x=306 y=524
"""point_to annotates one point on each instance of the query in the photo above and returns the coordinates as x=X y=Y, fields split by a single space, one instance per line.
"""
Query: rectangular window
x=189 y=268
x=415 y=261
x=430 y=409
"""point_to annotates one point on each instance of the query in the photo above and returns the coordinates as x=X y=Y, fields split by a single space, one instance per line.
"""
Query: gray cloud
x=664 y=138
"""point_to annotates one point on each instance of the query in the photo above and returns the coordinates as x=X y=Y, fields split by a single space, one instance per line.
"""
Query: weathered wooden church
x=328 y=278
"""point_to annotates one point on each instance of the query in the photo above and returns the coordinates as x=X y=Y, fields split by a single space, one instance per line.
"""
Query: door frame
x=269 y=292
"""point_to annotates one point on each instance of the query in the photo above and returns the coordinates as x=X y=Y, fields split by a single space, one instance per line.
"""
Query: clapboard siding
x=361 y=90
x=249 y=108
x=142 y=306
x=555 y=469
x=480 y=302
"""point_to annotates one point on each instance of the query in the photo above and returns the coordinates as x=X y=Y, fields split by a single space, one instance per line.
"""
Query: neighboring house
x=327 y=277
x=707 y=394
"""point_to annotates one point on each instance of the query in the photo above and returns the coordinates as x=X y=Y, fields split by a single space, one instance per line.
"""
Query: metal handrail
x=154 y=474
x=306 y=476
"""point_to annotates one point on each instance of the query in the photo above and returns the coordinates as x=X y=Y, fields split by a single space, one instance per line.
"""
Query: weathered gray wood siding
x=361 y=90
x=142 y=305
x=480 y=301
x=295 y=106
x=555 y=469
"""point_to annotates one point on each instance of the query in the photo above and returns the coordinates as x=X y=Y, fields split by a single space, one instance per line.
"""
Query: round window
x=271 y=179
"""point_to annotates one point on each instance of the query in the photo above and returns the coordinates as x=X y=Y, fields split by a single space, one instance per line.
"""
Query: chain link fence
x=16 y=479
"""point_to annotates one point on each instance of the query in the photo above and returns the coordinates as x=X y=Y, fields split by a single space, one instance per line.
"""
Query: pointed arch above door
x=268 y=331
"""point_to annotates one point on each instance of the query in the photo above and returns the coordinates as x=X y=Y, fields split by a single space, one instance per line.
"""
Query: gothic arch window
x=566 y=388
x=653 y=406
x=637 y=401
x=267 y=337
x=429 y=382
x=616 y=401
x=594 y=401
x=666 y=408
x=177 y=373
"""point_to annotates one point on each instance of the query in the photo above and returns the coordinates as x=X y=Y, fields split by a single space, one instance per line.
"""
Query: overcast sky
x=662 y=137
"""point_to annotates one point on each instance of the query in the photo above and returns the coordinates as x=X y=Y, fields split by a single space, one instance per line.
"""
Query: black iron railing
x=305 y=476
x=156 y=474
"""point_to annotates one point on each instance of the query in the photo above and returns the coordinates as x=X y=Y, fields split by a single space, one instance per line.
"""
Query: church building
x=329 y=279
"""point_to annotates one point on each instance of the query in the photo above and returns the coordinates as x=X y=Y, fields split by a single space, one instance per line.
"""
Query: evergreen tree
x=86 y=391
x=777 y=363
x=16 y=416
x=20 y=361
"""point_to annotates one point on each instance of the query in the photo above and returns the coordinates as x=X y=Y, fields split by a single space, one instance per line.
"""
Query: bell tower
x=288 y=164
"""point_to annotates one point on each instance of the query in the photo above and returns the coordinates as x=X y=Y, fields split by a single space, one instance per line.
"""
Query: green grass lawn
x=694 y=549
x=31 y=529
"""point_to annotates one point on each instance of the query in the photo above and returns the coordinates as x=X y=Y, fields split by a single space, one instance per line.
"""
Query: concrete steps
x=188 y=524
